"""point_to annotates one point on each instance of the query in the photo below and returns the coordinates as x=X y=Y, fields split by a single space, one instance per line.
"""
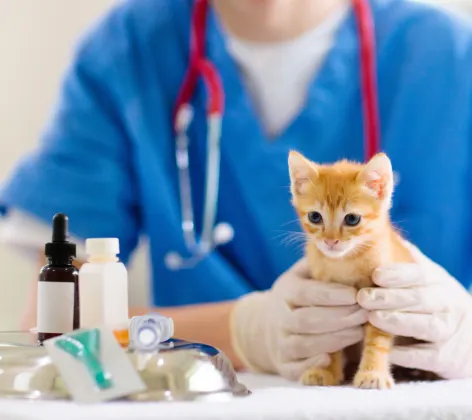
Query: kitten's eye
x=352 y=219
x=315 y=217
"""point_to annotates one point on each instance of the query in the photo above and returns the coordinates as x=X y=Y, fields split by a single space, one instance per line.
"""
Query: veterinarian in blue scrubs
x=290 y=73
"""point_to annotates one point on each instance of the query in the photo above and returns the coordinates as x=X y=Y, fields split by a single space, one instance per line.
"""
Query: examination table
x=275 y=398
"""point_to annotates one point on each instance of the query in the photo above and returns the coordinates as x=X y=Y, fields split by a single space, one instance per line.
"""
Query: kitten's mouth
x=337 y=251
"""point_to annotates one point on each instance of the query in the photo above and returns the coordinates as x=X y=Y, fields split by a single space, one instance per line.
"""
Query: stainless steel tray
x=183 y=371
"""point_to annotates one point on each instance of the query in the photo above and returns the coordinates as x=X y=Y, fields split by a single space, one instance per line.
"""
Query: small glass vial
x=58 y=294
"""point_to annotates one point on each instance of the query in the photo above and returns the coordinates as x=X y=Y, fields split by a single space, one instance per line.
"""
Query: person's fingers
x=301 y=292
x=298 y=346
x=418 y=356
x=416 y=299
x=318 y=319
x=401 y=275
x=293 y=370
x=426 y=327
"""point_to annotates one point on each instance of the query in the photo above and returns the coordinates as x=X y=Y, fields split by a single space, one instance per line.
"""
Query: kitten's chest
x=352 y=272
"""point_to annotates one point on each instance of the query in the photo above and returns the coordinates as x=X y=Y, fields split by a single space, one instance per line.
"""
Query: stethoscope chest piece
x=222 y=234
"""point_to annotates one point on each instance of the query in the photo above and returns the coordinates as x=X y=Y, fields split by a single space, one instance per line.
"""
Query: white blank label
x=55 y=307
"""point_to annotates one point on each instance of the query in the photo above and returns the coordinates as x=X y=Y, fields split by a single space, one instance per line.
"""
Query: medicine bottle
x=103 y=286
x=58 y=294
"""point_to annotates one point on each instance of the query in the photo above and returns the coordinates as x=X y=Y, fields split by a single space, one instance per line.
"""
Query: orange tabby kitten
x=344 y=211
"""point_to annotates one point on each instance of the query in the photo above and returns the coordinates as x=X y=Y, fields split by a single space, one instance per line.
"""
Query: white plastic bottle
x=103 y=286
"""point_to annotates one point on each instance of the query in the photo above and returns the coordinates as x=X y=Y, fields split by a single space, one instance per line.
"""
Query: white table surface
x=274 y=398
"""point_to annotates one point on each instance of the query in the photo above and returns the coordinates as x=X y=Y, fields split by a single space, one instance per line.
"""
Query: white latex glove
x=424 y=302
x=294 y=325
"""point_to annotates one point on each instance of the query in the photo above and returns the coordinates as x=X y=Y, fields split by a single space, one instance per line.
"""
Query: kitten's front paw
x=372 y=379
x=319 y=377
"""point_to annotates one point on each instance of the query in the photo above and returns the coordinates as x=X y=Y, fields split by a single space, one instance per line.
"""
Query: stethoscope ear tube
x=368 y=69
x=198 y=249
x=212 y=180
x=211 y=235
x=183 y=120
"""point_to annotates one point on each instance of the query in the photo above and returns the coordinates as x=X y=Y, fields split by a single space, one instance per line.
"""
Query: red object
x=368 y=68
x=200 y=66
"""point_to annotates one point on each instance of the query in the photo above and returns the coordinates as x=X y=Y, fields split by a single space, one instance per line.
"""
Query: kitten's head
x=342 y=207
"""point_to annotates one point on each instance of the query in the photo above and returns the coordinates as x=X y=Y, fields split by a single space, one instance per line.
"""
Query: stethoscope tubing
x=200 y=66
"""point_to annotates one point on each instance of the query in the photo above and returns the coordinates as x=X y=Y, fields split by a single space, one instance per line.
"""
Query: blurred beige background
x=36 y=38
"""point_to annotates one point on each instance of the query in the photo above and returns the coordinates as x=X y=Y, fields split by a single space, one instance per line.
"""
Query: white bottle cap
x=102 y=246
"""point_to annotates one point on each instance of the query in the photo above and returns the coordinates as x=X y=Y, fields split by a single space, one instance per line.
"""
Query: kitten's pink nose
x=331 y=242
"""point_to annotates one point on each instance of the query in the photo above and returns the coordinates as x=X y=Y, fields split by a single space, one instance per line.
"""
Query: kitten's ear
x=377 y=176
x=302 y=172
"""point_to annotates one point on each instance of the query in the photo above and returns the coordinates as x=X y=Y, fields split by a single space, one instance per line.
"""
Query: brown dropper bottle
x=58 y=286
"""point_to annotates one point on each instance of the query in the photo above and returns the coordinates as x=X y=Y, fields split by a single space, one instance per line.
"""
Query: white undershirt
x=276 y=75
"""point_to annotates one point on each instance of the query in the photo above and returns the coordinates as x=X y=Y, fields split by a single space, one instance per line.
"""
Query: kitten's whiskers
x=292 y=238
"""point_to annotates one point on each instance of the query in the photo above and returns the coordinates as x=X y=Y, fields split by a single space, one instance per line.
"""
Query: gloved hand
x=421 y=300
x=295 y=324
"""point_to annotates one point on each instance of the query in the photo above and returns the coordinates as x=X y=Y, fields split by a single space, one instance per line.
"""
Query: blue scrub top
x=107 y=156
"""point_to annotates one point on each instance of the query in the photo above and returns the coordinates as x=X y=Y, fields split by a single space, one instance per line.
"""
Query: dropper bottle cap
x=60 y=250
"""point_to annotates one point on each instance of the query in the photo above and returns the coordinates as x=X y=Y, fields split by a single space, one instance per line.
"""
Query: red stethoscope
x=199 y=66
